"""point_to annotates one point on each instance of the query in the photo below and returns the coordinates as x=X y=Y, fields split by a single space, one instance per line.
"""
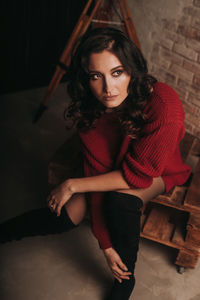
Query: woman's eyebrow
x=113 y=69
x=120 y=66
x=94 y=71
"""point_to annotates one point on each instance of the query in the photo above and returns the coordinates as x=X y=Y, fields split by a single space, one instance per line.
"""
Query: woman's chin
x=111 y=105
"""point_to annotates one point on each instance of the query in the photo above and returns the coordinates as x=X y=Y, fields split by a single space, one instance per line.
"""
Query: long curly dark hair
x=84 y=108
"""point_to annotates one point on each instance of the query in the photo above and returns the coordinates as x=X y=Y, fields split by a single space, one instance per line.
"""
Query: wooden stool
x=173 y=219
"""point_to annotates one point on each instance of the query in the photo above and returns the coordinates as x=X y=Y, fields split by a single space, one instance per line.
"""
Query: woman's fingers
x=118 y=278
x=122 y=266
x=59 y=207
x=50 y=203
x=121 y=276
x=56 y=207
x=55 y=201
x=58 y=197
x=120 y=273
x=118 y=268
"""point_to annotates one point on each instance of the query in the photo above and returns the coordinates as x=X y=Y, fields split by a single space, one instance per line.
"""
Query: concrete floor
x=68 y=266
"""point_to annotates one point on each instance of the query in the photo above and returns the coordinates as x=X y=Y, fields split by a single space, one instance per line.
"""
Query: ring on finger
x=51 y=203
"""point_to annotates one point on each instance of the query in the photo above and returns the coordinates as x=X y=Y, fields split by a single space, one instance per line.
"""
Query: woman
x=130 y=127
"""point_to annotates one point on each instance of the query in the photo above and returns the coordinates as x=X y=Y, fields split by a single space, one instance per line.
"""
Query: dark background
x=33 y=35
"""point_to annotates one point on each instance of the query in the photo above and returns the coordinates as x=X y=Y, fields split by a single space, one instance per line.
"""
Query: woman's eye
x=95 y=76
x=117 y=73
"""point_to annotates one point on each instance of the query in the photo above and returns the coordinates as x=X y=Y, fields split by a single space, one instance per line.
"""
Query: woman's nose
x=107 y=85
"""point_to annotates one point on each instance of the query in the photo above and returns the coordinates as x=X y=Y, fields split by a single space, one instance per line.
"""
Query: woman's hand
x=116 y=265
x=59 y=196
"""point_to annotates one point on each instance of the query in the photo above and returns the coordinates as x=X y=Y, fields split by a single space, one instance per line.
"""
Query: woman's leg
x=76 y=208
x=123 y=211
x=42 y=221
x=157 y=188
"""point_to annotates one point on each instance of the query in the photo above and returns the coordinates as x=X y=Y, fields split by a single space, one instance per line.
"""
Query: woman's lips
x=110 y=97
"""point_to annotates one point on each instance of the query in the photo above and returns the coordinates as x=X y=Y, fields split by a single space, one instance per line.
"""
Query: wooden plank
x=166 y=243
x=193 y=155
x=178 y=195
x=163 y=199
x=175 y=199
x=157 y=224
x=171 y=244
x=195 y=150
x=192 y=198
x=193 y=238
x=187 y=258
x=189 y=209
x=193 y=230
x=194 y=221
x=192 y=161
x=185 y=145
x=178 y=237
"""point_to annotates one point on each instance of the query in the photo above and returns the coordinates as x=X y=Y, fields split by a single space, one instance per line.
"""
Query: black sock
x=35 y=222
x=122 y=212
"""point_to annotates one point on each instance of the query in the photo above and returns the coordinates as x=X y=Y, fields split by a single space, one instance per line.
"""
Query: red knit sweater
x=157 y=154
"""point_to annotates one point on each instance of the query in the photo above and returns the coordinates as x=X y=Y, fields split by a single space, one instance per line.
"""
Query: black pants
x=122 y=214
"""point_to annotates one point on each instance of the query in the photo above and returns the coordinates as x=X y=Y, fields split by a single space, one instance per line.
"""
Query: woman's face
x=109 y=80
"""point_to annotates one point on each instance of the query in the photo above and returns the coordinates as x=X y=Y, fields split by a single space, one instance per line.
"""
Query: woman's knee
x=146 y=194
x=119 y=201
x=76 y=208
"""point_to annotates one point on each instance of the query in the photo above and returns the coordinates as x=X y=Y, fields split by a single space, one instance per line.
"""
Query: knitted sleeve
x=148 y=157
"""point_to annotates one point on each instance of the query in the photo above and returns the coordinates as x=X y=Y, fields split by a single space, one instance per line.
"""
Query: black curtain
x=33 y=35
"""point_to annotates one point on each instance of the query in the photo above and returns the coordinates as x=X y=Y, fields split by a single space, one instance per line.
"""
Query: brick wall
x=172 y=46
